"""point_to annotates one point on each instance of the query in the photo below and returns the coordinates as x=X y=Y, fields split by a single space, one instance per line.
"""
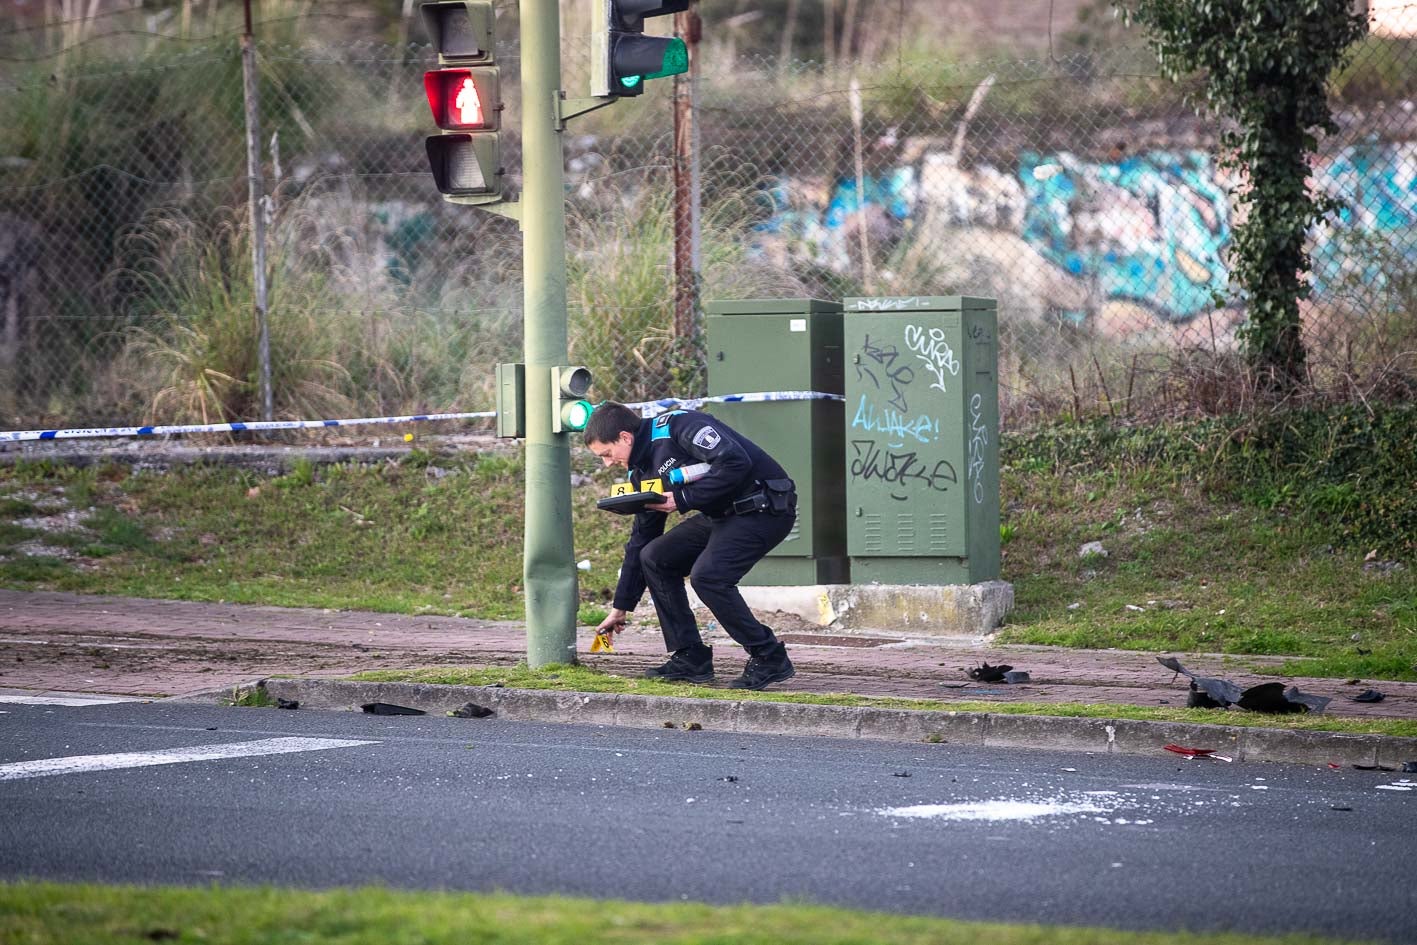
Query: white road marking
x=69 y=700
x=169 y=756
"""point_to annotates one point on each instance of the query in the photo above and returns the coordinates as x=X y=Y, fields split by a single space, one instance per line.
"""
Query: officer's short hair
x=608 y=421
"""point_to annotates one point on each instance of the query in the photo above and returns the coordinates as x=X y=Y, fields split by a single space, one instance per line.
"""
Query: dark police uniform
x=746 y=505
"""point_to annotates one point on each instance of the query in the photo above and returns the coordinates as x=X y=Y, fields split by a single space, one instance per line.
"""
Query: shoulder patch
x=660 y=431
x=707 y=438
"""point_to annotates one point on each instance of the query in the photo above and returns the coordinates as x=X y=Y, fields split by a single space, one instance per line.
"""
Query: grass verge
x=1264 y=548
x=587 y=679
x=54 y=914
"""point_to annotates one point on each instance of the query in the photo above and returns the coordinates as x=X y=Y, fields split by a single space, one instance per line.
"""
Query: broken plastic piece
x=1190 y=752
x=471 y=710
x=385 y=708
x=287 y=703
x=1275 y=699
x=1217 y=693
x=1370 y=695
x=987 y=673
x=1016 y=676
x=1268 y=697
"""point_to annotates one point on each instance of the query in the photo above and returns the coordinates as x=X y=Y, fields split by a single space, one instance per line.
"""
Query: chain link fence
x=1079 y=189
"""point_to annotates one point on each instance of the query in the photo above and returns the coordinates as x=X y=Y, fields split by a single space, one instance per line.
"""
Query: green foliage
x=620 y=288
x=1267 y=68
x=251 y=697
x=57 y=914
x=1346 y=471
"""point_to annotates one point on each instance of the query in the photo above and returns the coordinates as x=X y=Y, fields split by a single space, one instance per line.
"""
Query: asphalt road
x=427 y=802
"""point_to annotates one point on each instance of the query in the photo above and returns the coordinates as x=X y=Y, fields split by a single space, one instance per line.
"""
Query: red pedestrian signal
x=466 y=101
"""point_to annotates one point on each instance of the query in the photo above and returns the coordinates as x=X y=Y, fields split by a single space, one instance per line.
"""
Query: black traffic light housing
x=622 y=57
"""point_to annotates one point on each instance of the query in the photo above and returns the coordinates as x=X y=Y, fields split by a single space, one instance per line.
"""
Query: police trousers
x=713 y=554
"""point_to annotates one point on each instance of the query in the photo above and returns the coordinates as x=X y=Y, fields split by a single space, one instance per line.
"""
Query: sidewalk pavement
x=113 y=645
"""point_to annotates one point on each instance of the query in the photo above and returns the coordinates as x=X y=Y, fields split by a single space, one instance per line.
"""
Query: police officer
x=747 y=505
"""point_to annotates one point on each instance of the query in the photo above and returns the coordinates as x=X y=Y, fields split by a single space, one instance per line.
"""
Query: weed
x=11 y=507
x=301 y=475
x=33 y=569
x=251 y=697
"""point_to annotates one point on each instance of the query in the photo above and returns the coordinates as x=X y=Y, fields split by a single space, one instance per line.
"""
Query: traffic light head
x=570 y=411
x=622 y=57
x=466 y=100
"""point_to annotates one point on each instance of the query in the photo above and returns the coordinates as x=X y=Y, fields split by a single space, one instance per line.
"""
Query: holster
x=781 y=495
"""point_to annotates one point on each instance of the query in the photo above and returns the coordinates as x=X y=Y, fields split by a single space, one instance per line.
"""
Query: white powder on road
x=994 y=810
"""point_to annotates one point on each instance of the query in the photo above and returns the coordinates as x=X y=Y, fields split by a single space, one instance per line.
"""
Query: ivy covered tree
x=1266 y=66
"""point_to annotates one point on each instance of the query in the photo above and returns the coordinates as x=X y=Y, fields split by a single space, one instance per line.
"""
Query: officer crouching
x=747 y=505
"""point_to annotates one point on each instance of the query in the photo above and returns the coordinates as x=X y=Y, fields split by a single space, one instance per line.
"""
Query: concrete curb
x=1107 y=736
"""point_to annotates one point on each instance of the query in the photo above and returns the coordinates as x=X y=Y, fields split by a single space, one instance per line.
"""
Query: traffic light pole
x=548 y=563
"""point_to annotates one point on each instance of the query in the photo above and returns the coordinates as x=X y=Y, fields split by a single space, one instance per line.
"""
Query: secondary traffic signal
x=570 y=411
x=621 y=56
x=465 y=99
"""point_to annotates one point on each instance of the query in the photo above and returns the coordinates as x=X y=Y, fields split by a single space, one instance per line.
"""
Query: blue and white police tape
x=94 y=432
x=646 y=408
x=649 y=408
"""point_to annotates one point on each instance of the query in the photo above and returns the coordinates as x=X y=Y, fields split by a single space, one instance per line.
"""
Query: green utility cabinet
x=922 y=440
x=762 y=345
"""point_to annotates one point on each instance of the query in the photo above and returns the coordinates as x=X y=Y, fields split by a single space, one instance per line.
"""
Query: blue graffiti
x=1149 y=229
x=922 y=428
x=1377 y=184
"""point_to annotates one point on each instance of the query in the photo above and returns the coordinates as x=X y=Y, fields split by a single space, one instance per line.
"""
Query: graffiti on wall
x=1142 y=232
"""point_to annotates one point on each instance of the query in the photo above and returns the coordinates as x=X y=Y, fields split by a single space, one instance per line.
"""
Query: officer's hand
x=668 y=505
x=614 y=621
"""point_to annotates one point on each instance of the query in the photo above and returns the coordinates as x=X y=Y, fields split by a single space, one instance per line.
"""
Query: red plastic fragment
x=1190 y=752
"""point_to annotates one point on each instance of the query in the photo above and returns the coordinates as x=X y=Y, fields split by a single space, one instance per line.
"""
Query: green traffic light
x=630 y=81
x=676 y=60
x=575 y=414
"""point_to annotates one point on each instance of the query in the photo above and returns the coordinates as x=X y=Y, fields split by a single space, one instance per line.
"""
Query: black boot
x=691 y=664
x=769 y=665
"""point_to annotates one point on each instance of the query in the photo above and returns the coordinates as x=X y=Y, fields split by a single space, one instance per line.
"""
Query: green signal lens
x=575 y=414
x=630 y=81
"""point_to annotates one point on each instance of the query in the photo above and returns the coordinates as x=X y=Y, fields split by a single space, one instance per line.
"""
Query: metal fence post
x=256 y=193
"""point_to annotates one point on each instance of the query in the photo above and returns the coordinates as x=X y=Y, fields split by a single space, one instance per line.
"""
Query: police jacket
x=737 y=467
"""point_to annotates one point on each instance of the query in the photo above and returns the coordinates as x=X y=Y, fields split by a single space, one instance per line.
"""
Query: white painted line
x=70 y=700
x=169 y=756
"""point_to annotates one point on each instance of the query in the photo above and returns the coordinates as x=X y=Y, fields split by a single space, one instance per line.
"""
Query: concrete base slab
x=953 y=610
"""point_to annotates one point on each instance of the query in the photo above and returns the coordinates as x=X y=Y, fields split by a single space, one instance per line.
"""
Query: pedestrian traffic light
x=570 y=411
x=465 y=99
x=621 y=56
